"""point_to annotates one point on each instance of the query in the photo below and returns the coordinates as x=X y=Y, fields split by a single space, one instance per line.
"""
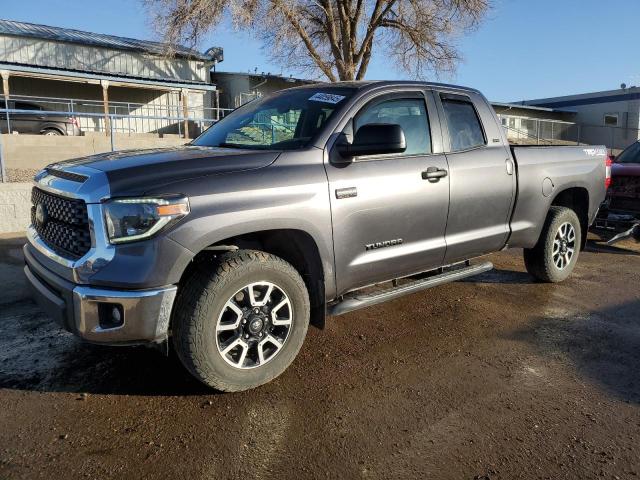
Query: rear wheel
x=241 y=324
x=52 y=132
x=555 y=255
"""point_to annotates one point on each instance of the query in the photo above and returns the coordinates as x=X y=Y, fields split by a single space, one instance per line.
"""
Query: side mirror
x=375 y=139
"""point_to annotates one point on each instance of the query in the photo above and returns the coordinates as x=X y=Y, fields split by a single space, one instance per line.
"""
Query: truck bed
x=540 y=171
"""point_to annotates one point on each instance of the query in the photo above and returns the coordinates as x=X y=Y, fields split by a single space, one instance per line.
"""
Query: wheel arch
x=295 y=246
x=577 y=199
x=55 y=127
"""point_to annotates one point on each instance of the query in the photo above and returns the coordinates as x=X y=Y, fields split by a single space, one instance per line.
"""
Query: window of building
x=465 y=130
x=611 y=119
x=409 y=113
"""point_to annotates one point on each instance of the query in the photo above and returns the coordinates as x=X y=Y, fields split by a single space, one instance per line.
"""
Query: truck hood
x=133 y=172
x=625 y=170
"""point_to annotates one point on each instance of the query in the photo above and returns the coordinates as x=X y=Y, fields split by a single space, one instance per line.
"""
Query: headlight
x=130 y=219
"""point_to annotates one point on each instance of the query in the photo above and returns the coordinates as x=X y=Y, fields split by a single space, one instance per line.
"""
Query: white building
x=71 y=70
x=610 y=117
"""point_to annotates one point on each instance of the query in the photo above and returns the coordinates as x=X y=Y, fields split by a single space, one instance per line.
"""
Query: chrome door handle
x=509 y=165
x=346 y=192
x=434 y=174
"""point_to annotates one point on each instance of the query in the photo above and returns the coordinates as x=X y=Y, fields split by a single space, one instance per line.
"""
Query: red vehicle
x=621 y=208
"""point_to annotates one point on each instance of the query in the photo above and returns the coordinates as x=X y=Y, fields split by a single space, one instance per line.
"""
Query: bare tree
x=334 y=37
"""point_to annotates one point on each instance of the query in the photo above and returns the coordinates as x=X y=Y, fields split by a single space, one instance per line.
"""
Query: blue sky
x=525 y=49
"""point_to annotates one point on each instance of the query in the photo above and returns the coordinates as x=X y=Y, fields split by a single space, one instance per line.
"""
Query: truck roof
x=372 y=84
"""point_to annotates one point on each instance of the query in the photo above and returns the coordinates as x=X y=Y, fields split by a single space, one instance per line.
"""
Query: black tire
x=52 y=132
x=540 y=260
x=201 y=302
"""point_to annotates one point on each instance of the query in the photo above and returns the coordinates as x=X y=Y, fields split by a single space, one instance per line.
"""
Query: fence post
x=111 y=133
x=105 y=105
x=185 y=111
x=5 y=89
x=612 y=139
x=3 y=172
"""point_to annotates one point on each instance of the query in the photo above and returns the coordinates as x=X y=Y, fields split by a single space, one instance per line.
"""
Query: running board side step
x=358 y=300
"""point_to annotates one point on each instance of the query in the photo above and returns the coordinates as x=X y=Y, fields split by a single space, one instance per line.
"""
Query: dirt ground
x=497 y=377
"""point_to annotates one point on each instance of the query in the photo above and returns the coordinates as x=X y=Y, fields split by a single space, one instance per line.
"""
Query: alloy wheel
x=564 y=245
x=254 y=325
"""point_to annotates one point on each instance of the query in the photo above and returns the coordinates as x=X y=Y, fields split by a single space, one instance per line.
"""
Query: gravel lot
x=496 y=377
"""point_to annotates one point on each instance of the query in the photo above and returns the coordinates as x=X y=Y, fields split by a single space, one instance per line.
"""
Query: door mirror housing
x=374 y=139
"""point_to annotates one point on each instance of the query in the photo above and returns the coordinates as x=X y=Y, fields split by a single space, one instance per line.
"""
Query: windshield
x=286 y=121
x=630 y=155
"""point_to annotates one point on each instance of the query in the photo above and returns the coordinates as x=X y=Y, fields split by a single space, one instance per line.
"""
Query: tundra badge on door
x=386 y=243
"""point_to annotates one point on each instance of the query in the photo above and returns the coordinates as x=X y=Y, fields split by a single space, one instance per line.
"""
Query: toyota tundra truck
x=313 y=202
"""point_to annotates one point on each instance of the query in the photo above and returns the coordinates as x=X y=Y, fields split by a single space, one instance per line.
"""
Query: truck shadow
x=36 y=355
x=616 y=250
x=498 y=275
x=603 y=345
x=598 y=243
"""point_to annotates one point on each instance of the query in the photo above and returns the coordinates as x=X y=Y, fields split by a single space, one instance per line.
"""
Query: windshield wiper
x=229 y=145
x=241 y=146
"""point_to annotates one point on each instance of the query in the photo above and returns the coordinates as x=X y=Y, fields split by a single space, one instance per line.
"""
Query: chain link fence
x=532 y=131
x=130 y=117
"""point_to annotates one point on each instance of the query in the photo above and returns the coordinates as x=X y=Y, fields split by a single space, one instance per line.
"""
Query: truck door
x=27 y=122
x=389 y=217
x=482 y=177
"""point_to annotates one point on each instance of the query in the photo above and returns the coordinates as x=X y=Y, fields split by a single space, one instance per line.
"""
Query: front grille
x=63 y=224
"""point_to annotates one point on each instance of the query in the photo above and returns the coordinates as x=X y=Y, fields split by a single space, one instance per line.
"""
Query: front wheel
x=555 y=255
x=241 y=323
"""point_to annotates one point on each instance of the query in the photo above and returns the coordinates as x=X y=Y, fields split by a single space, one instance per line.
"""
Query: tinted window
x=285 y=121
x=26 y=106
x=630 y=155
x=465 y=130
x=410 y=114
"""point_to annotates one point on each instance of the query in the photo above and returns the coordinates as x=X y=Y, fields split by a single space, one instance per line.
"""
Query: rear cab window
x=463 y=123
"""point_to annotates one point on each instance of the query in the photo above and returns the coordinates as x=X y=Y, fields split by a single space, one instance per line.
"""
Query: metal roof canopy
x=530 y=107
x=114 y=80
x=46 y=32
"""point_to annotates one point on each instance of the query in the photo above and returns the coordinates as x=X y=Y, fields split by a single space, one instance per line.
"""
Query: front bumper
x=79 y=308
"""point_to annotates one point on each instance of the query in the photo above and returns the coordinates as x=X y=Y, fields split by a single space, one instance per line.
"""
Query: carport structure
x=91 y=73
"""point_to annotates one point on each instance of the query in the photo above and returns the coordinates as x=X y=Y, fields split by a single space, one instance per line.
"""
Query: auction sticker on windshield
x=326 y=98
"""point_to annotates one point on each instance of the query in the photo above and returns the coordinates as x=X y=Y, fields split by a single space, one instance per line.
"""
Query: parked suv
x=288 y=210
x=35 y=121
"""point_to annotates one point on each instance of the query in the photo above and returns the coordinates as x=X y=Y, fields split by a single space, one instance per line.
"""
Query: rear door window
x=27 y=106
x=465 y=129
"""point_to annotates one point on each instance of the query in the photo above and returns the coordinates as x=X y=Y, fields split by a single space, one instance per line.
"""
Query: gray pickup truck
x=315 y=201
